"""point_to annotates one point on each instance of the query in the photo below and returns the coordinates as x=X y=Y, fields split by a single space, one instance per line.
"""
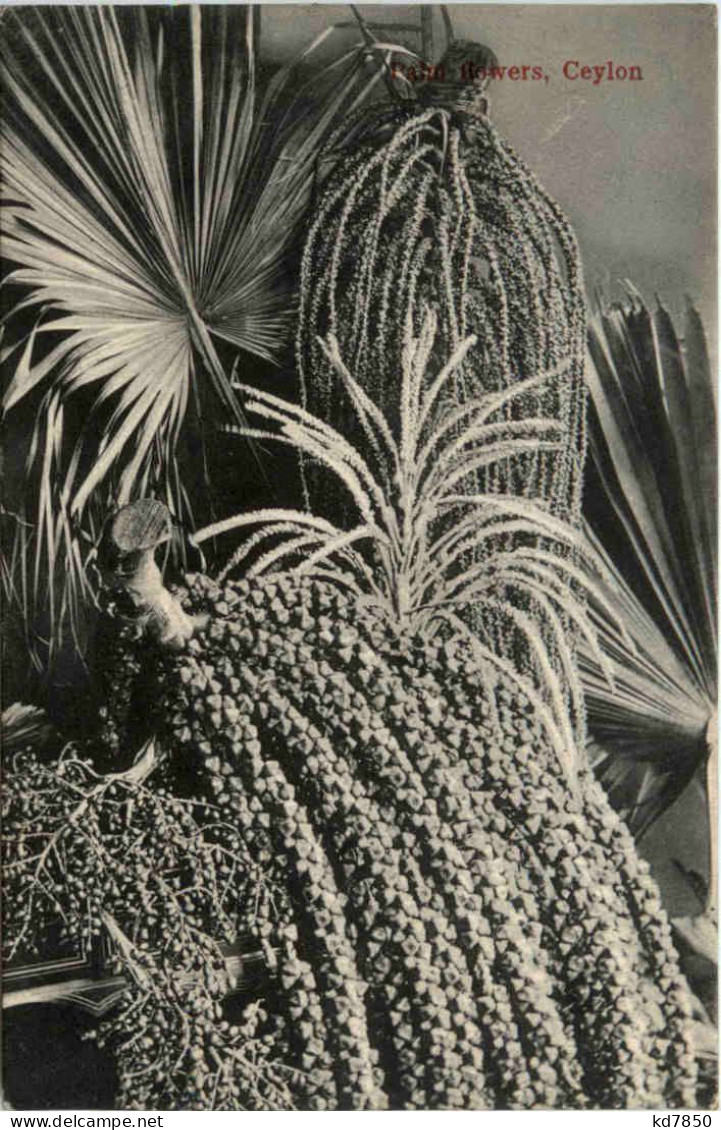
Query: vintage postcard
x=359 y=529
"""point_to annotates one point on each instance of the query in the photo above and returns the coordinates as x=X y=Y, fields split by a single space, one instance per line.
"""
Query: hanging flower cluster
x=444 y=924
x=166 y=881
x=432 y=208
x=458 y=929
x=426 y=206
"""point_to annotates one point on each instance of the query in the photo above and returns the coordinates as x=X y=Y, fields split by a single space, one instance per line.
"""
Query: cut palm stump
x=126 y=558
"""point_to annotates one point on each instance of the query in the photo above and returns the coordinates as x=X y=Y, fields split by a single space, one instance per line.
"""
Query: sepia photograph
x=359 y=558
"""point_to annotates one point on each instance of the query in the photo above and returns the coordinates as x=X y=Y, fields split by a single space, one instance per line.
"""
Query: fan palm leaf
x=651 y=510
x=151 y=201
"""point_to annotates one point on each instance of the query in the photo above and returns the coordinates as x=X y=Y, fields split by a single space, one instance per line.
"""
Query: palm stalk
x=651 y=511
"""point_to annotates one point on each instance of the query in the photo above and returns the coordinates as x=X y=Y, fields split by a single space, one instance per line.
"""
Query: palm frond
x=651 y=512
x=152 y=203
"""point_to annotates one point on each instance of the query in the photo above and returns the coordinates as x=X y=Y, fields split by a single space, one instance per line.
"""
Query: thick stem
x=165 y=618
